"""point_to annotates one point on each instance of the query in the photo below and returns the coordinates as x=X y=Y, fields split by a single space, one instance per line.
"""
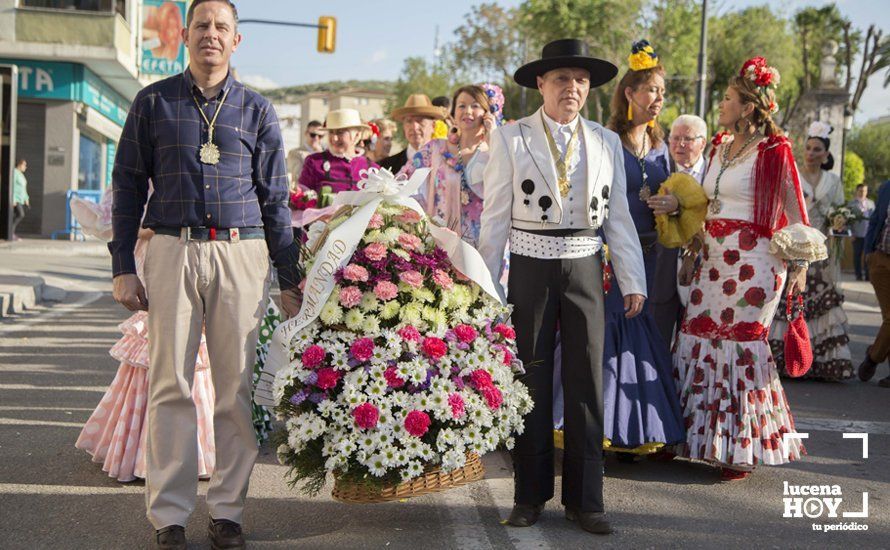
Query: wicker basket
x=432 y=481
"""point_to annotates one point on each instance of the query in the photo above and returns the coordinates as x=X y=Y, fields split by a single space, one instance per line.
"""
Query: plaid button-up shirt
x=247 y=188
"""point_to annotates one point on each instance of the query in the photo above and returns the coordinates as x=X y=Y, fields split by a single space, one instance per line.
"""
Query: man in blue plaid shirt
x=213 y=152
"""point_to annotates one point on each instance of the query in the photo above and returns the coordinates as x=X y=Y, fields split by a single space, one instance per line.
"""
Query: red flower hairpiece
x=374 y=129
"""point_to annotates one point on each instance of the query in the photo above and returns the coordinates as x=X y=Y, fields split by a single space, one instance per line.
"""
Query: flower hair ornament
x=764 y=77
x=495 y=101
x=375 y=133
x=819 y=129
x=642 y=56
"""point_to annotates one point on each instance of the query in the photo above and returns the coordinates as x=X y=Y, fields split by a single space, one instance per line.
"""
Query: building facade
x=80 y=63
x=370 y=104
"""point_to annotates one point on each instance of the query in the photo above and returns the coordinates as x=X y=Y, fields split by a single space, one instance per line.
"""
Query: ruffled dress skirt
x=115 y=433
x=735 y=410
x=827 y=323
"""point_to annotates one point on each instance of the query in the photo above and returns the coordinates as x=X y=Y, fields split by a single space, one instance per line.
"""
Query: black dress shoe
x=525 y=515
x=884 y=382
x=867 y=368
x=224 y=534
x=592 y=522
x=171 y=537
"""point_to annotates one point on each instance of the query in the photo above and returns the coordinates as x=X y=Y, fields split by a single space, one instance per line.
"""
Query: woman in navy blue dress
x=642 y=410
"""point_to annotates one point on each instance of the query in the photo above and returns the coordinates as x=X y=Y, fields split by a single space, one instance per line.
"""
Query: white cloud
x=259 y=82
x=378 y=56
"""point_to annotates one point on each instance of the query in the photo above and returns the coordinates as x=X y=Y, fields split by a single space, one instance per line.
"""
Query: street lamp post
x=702 y=62
x=848 y=125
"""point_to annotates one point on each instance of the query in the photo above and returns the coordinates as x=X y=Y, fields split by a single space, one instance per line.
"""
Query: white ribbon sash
x=379 y=186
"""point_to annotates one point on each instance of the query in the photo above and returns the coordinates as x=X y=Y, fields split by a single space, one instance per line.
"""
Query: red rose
x=731 y=256
x=777 y=284
x=729 y=287
x=755 y=296
x=713 y=274
x=747 y=239
x=748 y=331
x=696 y=350
x=746 y=272
x=727 y=315
x=745 y=441
x=702 y=326
x=699 y=375
x=434 y=348
x=696 y=296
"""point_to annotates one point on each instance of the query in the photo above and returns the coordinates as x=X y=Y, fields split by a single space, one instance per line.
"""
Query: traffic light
x=327 y=34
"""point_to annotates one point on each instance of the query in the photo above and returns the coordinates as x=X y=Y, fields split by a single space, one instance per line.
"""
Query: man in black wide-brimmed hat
x=554 y=180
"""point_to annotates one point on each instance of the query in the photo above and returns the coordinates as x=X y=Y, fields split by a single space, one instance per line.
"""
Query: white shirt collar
x=696 y=169
x=557 y=127
x=411 y=151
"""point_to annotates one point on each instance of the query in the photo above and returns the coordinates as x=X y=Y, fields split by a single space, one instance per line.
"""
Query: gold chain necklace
x=645 y=190
x=209 y=151
x=562 y=162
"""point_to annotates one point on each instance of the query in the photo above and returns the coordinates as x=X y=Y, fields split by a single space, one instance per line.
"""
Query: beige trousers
x=221 y=287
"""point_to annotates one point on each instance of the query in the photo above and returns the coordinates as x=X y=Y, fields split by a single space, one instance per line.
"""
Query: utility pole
x=702 y=77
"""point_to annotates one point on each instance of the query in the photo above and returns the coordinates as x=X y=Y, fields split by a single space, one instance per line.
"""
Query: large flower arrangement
x=409 y=365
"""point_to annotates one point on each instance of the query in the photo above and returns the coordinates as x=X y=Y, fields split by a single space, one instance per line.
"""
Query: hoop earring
x=630 y=111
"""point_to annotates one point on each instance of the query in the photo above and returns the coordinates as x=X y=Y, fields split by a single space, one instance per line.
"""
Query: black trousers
x=564 y=294
x=663 y=296
x=858 y=247
x=18 y=214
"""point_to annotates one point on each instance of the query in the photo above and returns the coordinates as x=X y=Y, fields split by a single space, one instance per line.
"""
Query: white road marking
x=465 y=519
x=20 y=422
x=100 y=389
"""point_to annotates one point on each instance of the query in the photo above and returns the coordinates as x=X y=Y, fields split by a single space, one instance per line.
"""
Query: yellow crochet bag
x=677 y=231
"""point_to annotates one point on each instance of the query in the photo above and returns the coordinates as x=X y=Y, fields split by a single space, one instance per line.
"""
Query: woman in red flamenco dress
x=756 y=234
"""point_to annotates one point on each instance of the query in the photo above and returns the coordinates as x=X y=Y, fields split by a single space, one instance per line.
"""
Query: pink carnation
x=355 y=272
x=375 y=251
x=493 y=397
x=434 y=348
x=411 y=242
x=417 y=423
x=412 y=278
x=313 y=356
x=508 y=357
x=505 y=330
x=457 y=405
x=408 y=216
x=327 y=378
x=350 y=296
x=362 y=349
x=376 y=221
x=409 y=333
x=465 y=333
x=480 y=379
x=393 y=380
x=366 y=416
x=442 y=279
x=386 y=290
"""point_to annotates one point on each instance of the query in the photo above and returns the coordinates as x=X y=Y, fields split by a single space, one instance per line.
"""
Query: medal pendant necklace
x=645 y=190
x=561 y=161
x=209 y=153
x=716 y=205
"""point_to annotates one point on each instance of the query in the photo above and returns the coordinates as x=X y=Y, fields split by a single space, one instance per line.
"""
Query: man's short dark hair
x=442 y=101
x=196 y=3
x=313 y=124
x=861 y=185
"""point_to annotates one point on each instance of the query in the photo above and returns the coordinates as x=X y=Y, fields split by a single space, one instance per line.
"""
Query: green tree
x=737 y=36
x=608 y=26
x=870 y=143
x=854 y=173
x=674 y=32
x=421 y=77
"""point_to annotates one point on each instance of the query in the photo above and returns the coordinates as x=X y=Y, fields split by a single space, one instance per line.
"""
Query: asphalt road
x=54 y=367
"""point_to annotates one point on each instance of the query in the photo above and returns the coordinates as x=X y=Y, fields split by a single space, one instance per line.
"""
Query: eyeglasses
x=685 y=140
x=313 y=135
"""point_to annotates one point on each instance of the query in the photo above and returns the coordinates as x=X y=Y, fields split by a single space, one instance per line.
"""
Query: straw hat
x=418 y=105
x=342 y=119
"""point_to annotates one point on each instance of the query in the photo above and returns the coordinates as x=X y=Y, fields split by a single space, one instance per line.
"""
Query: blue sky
x=375 y=36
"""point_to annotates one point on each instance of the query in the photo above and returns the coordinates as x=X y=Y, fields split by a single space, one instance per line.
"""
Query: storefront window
x=89 y=174
x=118 y=6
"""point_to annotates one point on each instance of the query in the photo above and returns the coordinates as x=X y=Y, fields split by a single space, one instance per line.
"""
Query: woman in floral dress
x=823 y=301
x=735 y=410
x=453 y=193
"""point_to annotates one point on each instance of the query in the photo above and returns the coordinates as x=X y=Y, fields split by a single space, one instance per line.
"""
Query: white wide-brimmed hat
x=341 y=119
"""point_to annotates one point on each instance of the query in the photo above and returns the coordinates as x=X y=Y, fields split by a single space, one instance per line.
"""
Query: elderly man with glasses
x=686 y=143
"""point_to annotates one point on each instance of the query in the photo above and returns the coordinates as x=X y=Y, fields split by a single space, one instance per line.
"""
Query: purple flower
x=317 y=397
x=298 y=398
x=312 y=378
x=450 y=335
x=458 y=382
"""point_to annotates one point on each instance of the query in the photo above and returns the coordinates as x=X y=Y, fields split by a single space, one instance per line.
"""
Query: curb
x=19 y=293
